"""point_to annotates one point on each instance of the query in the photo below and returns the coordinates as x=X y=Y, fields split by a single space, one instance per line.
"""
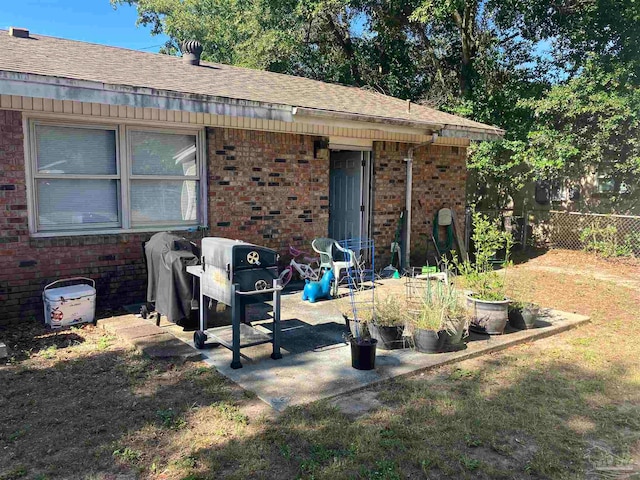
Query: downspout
x=407 y=222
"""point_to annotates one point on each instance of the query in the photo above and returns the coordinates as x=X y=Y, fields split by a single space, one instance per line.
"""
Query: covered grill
x=226 y=262
x=237 y=273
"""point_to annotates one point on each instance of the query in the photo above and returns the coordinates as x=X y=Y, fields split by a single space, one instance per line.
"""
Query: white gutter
x=408 y=200
x=59 y=88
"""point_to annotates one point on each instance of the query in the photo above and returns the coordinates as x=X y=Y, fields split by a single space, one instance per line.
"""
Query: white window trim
x=123 y=168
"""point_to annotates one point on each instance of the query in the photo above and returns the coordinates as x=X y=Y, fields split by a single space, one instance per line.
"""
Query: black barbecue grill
x=237 y=273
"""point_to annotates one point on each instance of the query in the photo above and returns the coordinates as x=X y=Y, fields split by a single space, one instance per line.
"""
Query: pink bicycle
x=305 y=270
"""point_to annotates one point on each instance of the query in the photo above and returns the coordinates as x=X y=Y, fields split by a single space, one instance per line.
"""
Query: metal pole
x=407 y=223
x=276 y=320
x=235 y=327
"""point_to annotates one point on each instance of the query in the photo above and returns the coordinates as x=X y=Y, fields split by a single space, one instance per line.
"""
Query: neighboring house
x=592 y=193
x=101 y=146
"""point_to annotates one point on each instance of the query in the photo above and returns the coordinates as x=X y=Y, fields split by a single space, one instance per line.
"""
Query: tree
x=590 y=125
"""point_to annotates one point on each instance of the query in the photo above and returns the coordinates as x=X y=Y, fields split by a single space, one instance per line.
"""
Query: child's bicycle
x=305 y=270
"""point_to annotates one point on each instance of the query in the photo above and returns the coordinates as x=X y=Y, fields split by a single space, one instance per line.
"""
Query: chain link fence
x=610 y=235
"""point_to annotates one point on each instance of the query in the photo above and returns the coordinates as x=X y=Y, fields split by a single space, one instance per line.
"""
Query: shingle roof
x=56 y=57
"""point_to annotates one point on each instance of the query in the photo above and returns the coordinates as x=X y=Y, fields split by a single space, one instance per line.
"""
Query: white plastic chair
x=329 y=249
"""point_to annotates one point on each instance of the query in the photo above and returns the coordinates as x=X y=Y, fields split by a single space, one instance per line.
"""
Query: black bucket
x=389 y=338
x=363 y=353
x=428 y=341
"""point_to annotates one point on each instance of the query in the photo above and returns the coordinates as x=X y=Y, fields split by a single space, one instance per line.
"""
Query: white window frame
x=69 y=176
x=123 y=177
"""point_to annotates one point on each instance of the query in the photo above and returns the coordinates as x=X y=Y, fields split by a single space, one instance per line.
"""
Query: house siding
x=269 y=188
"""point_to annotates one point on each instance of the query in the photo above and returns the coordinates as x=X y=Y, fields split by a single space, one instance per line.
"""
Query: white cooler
x=69 y=305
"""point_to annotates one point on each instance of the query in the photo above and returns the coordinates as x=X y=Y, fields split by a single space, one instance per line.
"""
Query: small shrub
x=606 y=242
x=481 y=277
x=390 y=312
x=439 y=309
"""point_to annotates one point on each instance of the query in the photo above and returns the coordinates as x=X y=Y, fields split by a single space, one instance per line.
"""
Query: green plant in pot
x=387 y=326
x=523 y=315
x=363 y=346
x=487 y=300
x=441 y=322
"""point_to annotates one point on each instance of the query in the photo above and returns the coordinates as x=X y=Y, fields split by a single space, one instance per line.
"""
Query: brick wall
x=267 y=188
x=439 y=176
x=28 y=264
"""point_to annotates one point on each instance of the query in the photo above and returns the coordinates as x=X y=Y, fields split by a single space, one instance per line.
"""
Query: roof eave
x=62 y=88
x=444 y=130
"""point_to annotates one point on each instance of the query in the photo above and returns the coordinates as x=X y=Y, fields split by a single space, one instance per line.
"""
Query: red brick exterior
x=267 y=188
x=439 y=176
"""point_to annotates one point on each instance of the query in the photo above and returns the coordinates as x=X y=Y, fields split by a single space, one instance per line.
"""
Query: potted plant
x=363 y=347
x=523 y=315
x=487 y=301
x=388 y=324
x=441 y=322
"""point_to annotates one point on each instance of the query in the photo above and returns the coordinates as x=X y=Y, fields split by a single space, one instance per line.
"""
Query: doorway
x=349 y=194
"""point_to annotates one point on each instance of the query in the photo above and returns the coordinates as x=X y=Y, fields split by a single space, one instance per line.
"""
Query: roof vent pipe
x=18 y=32
x=191 y=51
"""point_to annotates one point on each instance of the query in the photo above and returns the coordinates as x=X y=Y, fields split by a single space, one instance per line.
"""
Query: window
x=83 y=180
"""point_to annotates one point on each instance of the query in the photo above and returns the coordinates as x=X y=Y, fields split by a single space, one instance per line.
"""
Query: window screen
x=69 y=150
x=154 y=201
x=82 y=181
x=76 y=202
x=163 y=154
x=64 y=201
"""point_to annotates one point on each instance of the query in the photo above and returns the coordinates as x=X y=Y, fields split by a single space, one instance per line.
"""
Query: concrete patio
x=316 y=361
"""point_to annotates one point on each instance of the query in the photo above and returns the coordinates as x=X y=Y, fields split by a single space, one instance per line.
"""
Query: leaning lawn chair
x=332 y=257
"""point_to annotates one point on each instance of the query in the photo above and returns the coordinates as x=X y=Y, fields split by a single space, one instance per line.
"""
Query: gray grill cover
x=169 y=285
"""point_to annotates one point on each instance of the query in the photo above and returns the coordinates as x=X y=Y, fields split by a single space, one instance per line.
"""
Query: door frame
x=366 y=189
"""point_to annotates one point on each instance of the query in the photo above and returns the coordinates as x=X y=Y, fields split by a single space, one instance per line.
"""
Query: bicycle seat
x=294 y=251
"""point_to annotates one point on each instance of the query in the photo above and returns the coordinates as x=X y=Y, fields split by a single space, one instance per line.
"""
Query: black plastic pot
x=451 y=343
x=389 y=338
x=524 y=318
x=363 y=353
x=427 y=341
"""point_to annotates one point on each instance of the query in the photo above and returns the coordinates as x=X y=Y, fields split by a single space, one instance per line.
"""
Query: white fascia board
x=359 y=125
x=58 y=88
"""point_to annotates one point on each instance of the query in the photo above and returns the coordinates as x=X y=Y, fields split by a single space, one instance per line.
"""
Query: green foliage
x=127 y=455
x=170 y=419
x=560 y=77
x=480 y=276
x=607 y=242
x=389 y=312
x=440 y=309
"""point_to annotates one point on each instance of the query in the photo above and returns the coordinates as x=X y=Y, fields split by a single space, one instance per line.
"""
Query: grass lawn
x=81 y=404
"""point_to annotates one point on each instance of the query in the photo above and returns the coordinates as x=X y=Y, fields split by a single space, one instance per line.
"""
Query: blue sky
x=87 y=20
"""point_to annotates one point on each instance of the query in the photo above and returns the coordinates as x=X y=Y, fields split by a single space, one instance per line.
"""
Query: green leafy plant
x=440 y=309
x=481 y=277
x=390 y=312
x=127 y=455
x=606 y=241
